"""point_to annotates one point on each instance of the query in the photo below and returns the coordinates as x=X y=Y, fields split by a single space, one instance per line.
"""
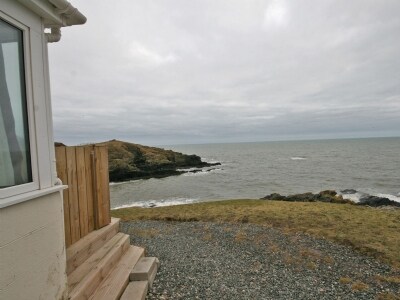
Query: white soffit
x=56 y=13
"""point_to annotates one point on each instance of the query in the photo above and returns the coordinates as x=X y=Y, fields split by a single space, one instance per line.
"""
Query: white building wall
x=32 y=247
x=32 y=250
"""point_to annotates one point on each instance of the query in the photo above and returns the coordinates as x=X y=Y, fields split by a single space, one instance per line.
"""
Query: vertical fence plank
x=73 y=194
x=87 y=199
x=61 y=163
x=106 y=186
x=102 y=188
x=89 y=187
x=82 y=199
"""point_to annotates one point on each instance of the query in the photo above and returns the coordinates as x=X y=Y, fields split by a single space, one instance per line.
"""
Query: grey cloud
x=180 y=71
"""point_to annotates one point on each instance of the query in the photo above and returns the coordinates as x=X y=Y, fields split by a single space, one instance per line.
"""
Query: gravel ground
x=245 y=261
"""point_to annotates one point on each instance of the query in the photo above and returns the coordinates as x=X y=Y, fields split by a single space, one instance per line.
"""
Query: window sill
x=30 y=195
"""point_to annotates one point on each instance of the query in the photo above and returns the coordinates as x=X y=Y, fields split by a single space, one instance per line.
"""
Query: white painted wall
x=32 y=247
x=32 y=250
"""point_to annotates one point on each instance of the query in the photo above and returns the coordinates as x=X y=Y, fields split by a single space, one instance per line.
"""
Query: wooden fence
x=87 y=199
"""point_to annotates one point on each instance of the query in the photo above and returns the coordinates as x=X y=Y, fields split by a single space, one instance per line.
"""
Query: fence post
x=94 y=189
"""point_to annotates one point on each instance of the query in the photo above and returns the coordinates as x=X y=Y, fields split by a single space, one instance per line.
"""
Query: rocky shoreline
x=331 y=196
x=128 y=161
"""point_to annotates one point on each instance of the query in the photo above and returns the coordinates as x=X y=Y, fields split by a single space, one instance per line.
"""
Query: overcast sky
x=188 y=71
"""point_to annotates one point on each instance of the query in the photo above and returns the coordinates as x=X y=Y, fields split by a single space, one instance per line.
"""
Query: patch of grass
x=374 y=232
x=311 y=265
x=359 y=286
x=387 y=296
x=240 y=237
x=228 y=229
x=345 y=280
x=289 y=259
x=328 y=260
x=143 y=233
x=388 y=279
x=207 y=237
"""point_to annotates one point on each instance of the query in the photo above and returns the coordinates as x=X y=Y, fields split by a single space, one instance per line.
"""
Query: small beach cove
x=256 y=249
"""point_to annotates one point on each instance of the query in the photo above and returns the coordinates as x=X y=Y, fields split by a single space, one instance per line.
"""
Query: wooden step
x=85 y=247
x=145 y=270
x=114 y=285
x=136 y=290
x=99 y=269
x=84 y=269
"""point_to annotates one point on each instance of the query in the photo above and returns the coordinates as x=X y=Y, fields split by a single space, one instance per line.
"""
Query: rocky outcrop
x=128 y=161
x=333 y=197
x=324 y=196
x=377 y=201
x=58 y=144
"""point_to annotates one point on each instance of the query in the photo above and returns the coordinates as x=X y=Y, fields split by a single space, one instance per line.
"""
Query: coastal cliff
x=128 y=161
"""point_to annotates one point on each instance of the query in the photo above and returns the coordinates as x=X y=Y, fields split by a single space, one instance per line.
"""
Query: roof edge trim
x=56 y=12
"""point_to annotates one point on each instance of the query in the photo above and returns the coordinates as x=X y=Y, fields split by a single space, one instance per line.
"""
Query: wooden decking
x=99 y=266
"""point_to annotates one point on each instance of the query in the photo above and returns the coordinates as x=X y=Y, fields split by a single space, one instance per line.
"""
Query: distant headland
x=128 y=161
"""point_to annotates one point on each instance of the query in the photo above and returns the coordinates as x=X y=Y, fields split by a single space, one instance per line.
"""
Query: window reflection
x=15 y=166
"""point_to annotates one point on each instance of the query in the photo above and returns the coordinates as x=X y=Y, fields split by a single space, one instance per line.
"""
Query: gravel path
x=245 y=261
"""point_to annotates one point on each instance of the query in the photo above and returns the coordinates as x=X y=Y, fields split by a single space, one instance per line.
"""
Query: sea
x=370 y=166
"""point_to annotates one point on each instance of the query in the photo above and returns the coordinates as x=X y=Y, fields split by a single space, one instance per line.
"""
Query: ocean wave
x=159 y=203
x=189 y=169
x=298 y=158
x=210 y=161
x=355 y=197
x=125 y=182
x=202 y=172
x=390 y=197
x=118 y=183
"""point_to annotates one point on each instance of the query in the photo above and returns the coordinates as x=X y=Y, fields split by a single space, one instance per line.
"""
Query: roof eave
x=55 y=12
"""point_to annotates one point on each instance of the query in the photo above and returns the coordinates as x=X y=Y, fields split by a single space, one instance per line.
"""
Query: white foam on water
x=125 y=182
x=212 y=161
x=117 y=183
x=298 y=158
x=356 y=196
x=188 y=169
x=352 y=197
x=390 y=197
x=202 y=173
x=159 y=203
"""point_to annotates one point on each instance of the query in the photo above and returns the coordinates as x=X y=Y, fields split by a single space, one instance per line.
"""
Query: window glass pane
x=15 y=164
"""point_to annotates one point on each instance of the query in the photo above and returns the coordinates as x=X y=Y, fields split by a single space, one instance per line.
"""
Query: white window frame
x=38 y=101
x=34 y=185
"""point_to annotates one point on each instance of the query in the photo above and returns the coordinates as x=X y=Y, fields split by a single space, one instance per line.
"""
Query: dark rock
x=200 y=170
x=274 y=196
x=195 y=171
x=330 y=196
x=324 y=196
x=377 y=201
x=329 y=193
x=305 y=197
x=58 y=144
x=348 y=191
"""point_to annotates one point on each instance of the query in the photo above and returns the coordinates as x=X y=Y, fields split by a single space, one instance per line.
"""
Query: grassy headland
x=129 y=161
x=374 y=232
